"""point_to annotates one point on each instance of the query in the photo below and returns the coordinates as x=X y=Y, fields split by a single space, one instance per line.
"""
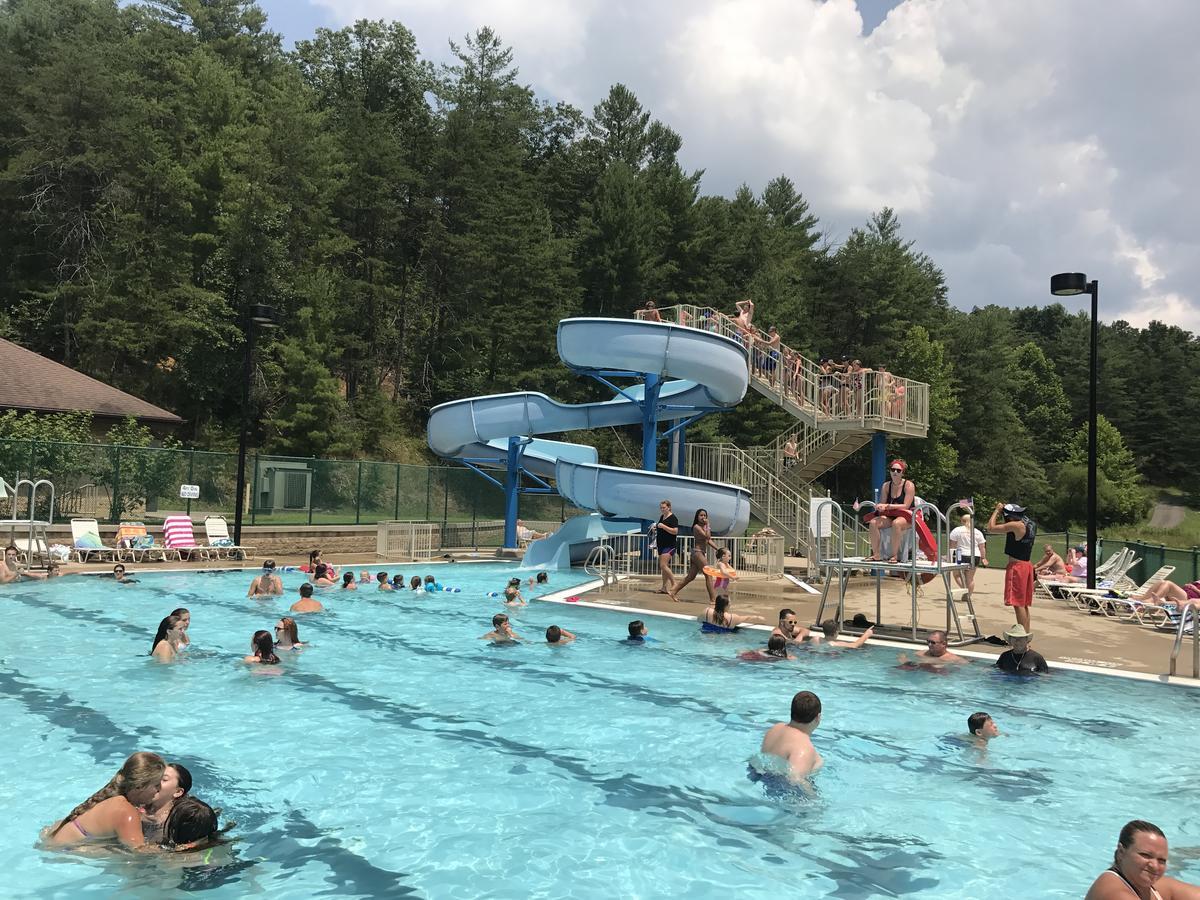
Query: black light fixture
x=1071 y=284
x=257 y=316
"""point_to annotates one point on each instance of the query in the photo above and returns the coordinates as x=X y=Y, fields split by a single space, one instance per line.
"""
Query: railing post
x=253 y=490
x=358 y=497
x=397 y=515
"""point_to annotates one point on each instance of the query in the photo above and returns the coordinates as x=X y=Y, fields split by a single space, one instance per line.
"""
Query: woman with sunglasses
x=287 y=636
x=894 y=510
x=120 y=576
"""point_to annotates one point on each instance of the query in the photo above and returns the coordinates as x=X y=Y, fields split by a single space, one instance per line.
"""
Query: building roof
x=31 y=381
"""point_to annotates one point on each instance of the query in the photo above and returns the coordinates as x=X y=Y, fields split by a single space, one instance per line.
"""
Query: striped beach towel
x=177 y=533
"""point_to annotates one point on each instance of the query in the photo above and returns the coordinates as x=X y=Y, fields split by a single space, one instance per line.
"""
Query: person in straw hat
x=1019 y=659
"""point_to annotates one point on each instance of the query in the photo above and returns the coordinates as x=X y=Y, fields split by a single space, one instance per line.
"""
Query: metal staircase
x=772 y=502
x=835 y=416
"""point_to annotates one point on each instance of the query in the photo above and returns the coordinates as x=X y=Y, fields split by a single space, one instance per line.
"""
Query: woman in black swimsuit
x=701 y=542
x=894 y=510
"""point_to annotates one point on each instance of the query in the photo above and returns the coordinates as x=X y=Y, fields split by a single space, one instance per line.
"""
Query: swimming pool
x=399 y=755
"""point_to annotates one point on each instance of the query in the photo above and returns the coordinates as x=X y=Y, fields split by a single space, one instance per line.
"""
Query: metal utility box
x=283 y=485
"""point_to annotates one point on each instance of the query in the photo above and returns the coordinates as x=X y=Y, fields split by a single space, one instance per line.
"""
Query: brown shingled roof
x=31 y=381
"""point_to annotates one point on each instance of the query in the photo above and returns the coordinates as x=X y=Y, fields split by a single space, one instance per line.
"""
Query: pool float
x=717 y=573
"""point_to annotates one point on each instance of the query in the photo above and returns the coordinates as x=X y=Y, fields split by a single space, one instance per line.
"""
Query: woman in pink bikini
x=113 y=811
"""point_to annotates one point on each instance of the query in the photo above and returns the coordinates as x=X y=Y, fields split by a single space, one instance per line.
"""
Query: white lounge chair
x=86 y=542
x=216 y=531
x=178 y=536
x=1117 y=607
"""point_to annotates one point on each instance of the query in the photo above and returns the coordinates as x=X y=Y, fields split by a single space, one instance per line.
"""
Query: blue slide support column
x=650 y=423
x=512 y=485
x=878 y=462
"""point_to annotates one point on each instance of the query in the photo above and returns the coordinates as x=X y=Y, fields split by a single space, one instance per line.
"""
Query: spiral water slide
x=698 y=372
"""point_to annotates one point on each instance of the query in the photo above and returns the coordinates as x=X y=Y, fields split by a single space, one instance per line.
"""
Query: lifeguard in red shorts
x=1019 y=532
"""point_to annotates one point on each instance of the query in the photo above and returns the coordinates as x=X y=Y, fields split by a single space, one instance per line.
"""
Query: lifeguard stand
x=28 y=534
x=837 y=565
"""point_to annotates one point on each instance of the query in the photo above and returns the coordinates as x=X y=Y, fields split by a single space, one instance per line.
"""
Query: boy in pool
x=982 y=728
x=384 y=584
x=556 y=635
x=792 y=740
x=501 y=632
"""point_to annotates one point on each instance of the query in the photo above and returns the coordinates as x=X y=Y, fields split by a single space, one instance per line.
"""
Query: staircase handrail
x=876 y=399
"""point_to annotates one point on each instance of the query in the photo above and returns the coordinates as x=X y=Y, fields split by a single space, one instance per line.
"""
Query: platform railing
x=875 y=400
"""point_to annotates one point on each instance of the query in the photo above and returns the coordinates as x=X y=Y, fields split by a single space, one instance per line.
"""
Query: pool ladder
x=599 y=563
x=1187 y=617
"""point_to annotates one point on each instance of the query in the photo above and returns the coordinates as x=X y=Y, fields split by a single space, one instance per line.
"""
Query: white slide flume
x=707 y=372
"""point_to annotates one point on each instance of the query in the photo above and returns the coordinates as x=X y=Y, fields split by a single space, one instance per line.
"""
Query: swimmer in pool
x=191 y=825
x=364 y=577
x=556 y=635
x=185 y=623
x=934 y=656
x=306 y=603
x=287 y=635
x=789 y=628
x=268 y=584
x=512 y=593
x=262 y=650
x=501 y=632
x=776 y=649
x=637 y=632
x=348 y=582
x=830 y=630
x=542 y=578
x=113 y=810
x=1139 y=867
x=384 y=584
x=792 y=741
x=176 y=782
x=10 y=572
x=982 y=728
x=323 y=576
x=168 y=639
x=120 y=576
x=718 y=615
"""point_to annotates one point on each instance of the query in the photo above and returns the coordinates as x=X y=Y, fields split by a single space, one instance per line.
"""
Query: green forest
x=421 y=229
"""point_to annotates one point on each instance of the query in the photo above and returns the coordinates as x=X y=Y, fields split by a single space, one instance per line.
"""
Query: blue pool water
x=401 y=756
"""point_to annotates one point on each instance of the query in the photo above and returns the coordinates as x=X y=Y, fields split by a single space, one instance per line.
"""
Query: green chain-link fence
x=111 y=482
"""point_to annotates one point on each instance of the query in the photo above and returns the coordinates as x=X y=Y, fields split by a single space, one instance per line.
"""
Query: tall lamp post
x=258 y=317
x=1070 y=284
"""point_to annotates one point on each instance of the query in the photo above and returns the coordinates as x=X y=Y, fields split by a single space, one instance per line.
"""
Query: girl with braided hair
x=113 y=810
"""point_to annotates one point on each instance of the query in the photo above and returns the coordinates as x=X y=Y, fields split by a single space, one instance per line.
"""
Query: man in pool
x=501 y=632
x=268 y=584
x=306 y=603
x=982 y=728
x=934 y=656
x=792 y=741
x=1020 y=660
x=556 y=635
x=121 y=577
x=789 y=628
x=830 y=630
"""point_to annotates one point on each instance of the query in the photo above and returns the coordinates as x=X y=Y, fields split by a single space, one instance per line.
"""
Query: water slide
x=707 y=373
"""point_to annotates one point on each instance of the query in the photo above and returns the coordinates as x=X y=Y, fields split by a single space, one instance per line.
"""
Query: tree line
x=421 y=229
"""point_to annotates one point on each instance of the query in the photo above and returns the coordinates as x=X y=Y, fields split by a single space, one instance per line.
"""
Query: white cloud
x=1016 y=139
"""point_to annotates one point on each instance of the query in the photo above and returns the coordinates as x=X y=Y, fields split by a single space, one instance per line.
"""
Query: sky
x=1015 y=139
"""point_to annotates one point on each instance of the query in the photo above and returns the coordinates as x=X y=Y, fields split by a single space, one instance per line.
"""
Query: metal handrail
x=1183 y=621
x=599 y=563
